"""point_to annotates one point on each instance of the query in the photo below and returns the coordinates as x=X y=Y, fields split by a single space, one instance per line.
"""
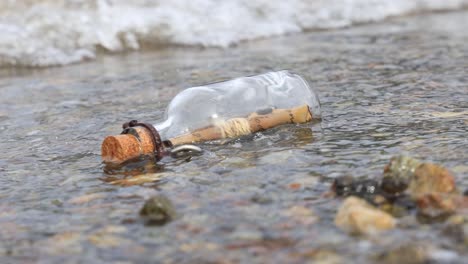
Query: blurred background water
x=59 y=32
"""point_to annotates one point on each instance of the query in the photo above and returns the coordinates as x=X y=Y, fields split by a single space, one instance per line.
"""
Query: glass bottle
x=224 y=109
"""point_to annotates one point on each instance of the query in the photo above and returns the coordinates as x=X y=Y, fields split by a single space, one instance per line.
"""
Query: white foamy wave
x=58 y=32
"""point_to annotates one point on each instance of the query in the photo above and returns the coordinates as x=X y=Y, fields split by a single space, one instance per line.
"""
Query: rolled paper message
x=120 y=148
x=237 y=127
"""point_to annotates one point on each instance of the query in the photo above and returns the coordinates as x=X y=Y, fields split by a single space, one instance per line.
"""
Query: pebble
x=399 y=173
x=408 y=254
x=435 y=205
x=430 y=186
x=457 y=230
x=324 y=256
x=431 y=178
x=261 y=199
x=103 y=240
x=198 y=246
x=356 y=216
x=158 y=210
x=246 y=234
x=416 y=178
x=302 y=215
x=349 y=186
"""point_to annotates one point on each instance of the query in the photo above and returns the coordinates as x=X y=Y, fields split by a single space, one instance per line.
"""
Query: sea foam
x=59 y=32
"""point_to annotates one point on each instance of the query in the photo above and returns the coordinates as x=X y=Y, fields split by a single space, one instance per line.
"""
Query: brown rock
x=405 y=174
x=441 y=204
x=431 y=178
x=356 y=216
x=409 y=253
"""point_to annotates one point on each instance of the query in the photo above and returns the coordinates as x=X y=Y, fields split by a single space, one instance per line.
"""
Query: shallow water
x=389 y=88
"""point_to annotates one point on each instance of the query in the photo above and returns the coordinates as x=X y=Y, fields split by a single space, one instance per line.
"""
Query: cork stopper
x=117 y=149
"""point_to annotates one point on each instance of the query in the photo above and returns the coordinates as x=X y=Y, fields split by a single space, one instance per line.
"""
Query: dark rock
x=158 y=210
x=398 y=174
x=261 y=199
x=347 y=186
x=457 y=232
x=405 y=174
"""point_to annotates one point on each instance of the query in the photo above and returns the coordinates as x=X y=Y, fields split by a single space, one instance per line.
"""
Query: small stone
x=113 y=229
x=457 y=219
x=431 y=178
x=457 y=230
x=261 y=199
x=341 y=185
x=294 y=186
x=301 y=214
x=102 y=240
x=394 y=209
x=324 y=256
x=399 y=173
x=158 y=210
x=57 y=202
x=441 y=205
x=408 y=222
x=410 y=254
x=247 y=234
x=356 y=216
x=435 y=205
x=349 y=186
x=194 y=247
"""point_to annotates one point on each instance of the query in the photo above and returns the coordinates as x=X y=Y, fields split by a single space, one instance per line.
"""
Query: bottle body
x=215 y=111
x=212 y=104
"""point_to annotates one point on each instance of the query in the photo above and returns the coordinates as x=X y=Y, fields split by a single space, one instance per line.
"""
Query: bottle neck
x=162 y=127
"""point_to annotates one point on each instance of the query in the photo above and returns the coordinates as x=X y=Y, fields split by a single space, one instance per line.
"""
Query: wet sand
x=386 y=89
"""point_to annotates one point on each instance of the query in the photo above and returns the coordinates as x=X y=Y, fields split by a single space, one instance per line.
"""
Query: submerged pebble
x=410 y=254
x=158 y=210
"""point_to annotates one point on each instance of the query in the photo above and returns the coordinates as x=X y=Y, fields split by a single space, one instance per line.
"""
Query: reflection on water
x=397 y=87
